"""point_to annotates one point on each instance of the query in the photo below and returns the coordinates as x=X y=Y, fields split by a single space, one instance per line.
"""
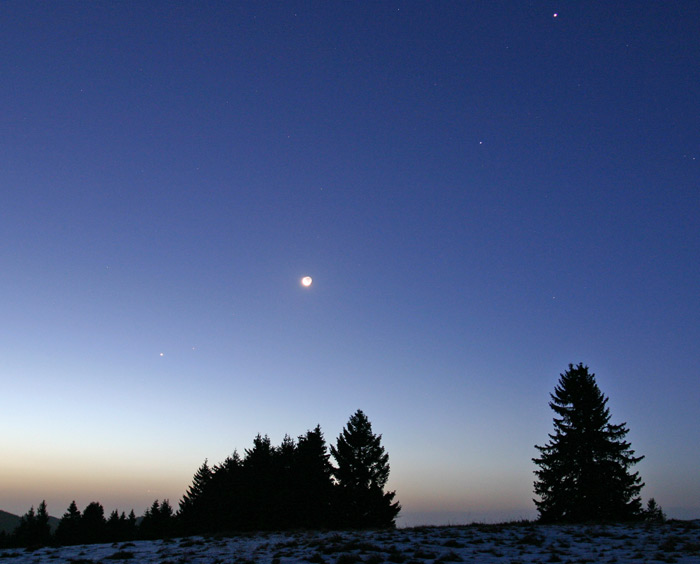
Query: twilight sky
x=483 y=193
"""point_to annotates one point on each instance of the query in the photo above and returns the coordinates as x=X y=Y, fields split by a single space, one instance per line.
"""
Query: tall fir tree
x=130 y=526
x=361 y=473
x=158 y=521
x=583 y=471
x=261 y=490
x=194 y=515
x=285 y=512
x=225 y=493
x=68 y=531
x=148 y=528
x=93 y=525
x=43 y=530
x=113 y=527
x=25 y=533
x=313 y=485
x=33 y=529
x=199 y=481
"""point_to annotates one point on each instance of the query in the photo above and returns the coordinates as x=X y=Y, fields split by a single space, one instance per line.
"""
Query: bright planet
x=306 y=281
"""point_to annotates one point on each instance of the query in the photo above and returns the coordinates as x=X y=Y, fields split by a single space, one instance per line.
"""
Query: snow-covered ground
x=675 y=542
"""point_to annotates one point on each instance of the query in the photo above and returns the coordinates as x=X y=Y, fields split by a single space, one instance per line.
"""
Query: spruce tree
x=148 y=528
x=25 y=533
x=261 y=490
x=130 y=526
x=362 y=472
x=283 y=457
x=33 y=529
x=93 y=523
x=43 y=530
x=114 y=527
x=583 y=471
x=313 y=485
x=653 y=512
x=158 y=521
x=166 y=524
x=201 y=478
x=225 y=492
x=194 y=515
x=68 y=531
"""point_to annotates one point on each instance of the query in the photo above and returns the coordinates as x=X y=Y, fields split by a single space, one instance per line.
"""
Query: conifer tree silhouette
x=26 y=532
x=194 y=515
x=130 y=526
x=225 y=495
x=201 y=478
x=284 y=512
x=33 y=529
x=43 y=530
x=158 y=521
x=259 y=503
x=313 y=485
x=68 y=531
x=291 y=486
x=93 y=523
x=114 y=527
x=361 y=473
x=583 y=470
x=653 y=512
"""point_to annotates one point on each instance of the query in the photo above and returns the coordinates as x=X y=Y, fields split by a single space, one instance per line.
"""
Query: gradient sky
x=483 y=192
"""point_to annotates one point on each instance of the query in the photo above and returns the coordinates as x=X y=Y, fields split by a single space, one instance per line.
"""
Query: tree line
x=294 y=485
x=291 y=486
x=583 y=475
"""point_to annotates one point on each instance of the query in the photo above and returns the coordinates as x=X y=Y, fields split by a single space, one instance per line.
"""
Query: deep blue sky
x=483 y=193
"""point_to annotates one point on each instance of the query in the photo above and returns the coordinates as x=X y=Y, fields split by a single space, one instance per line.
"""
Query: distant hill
x=9 y=522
